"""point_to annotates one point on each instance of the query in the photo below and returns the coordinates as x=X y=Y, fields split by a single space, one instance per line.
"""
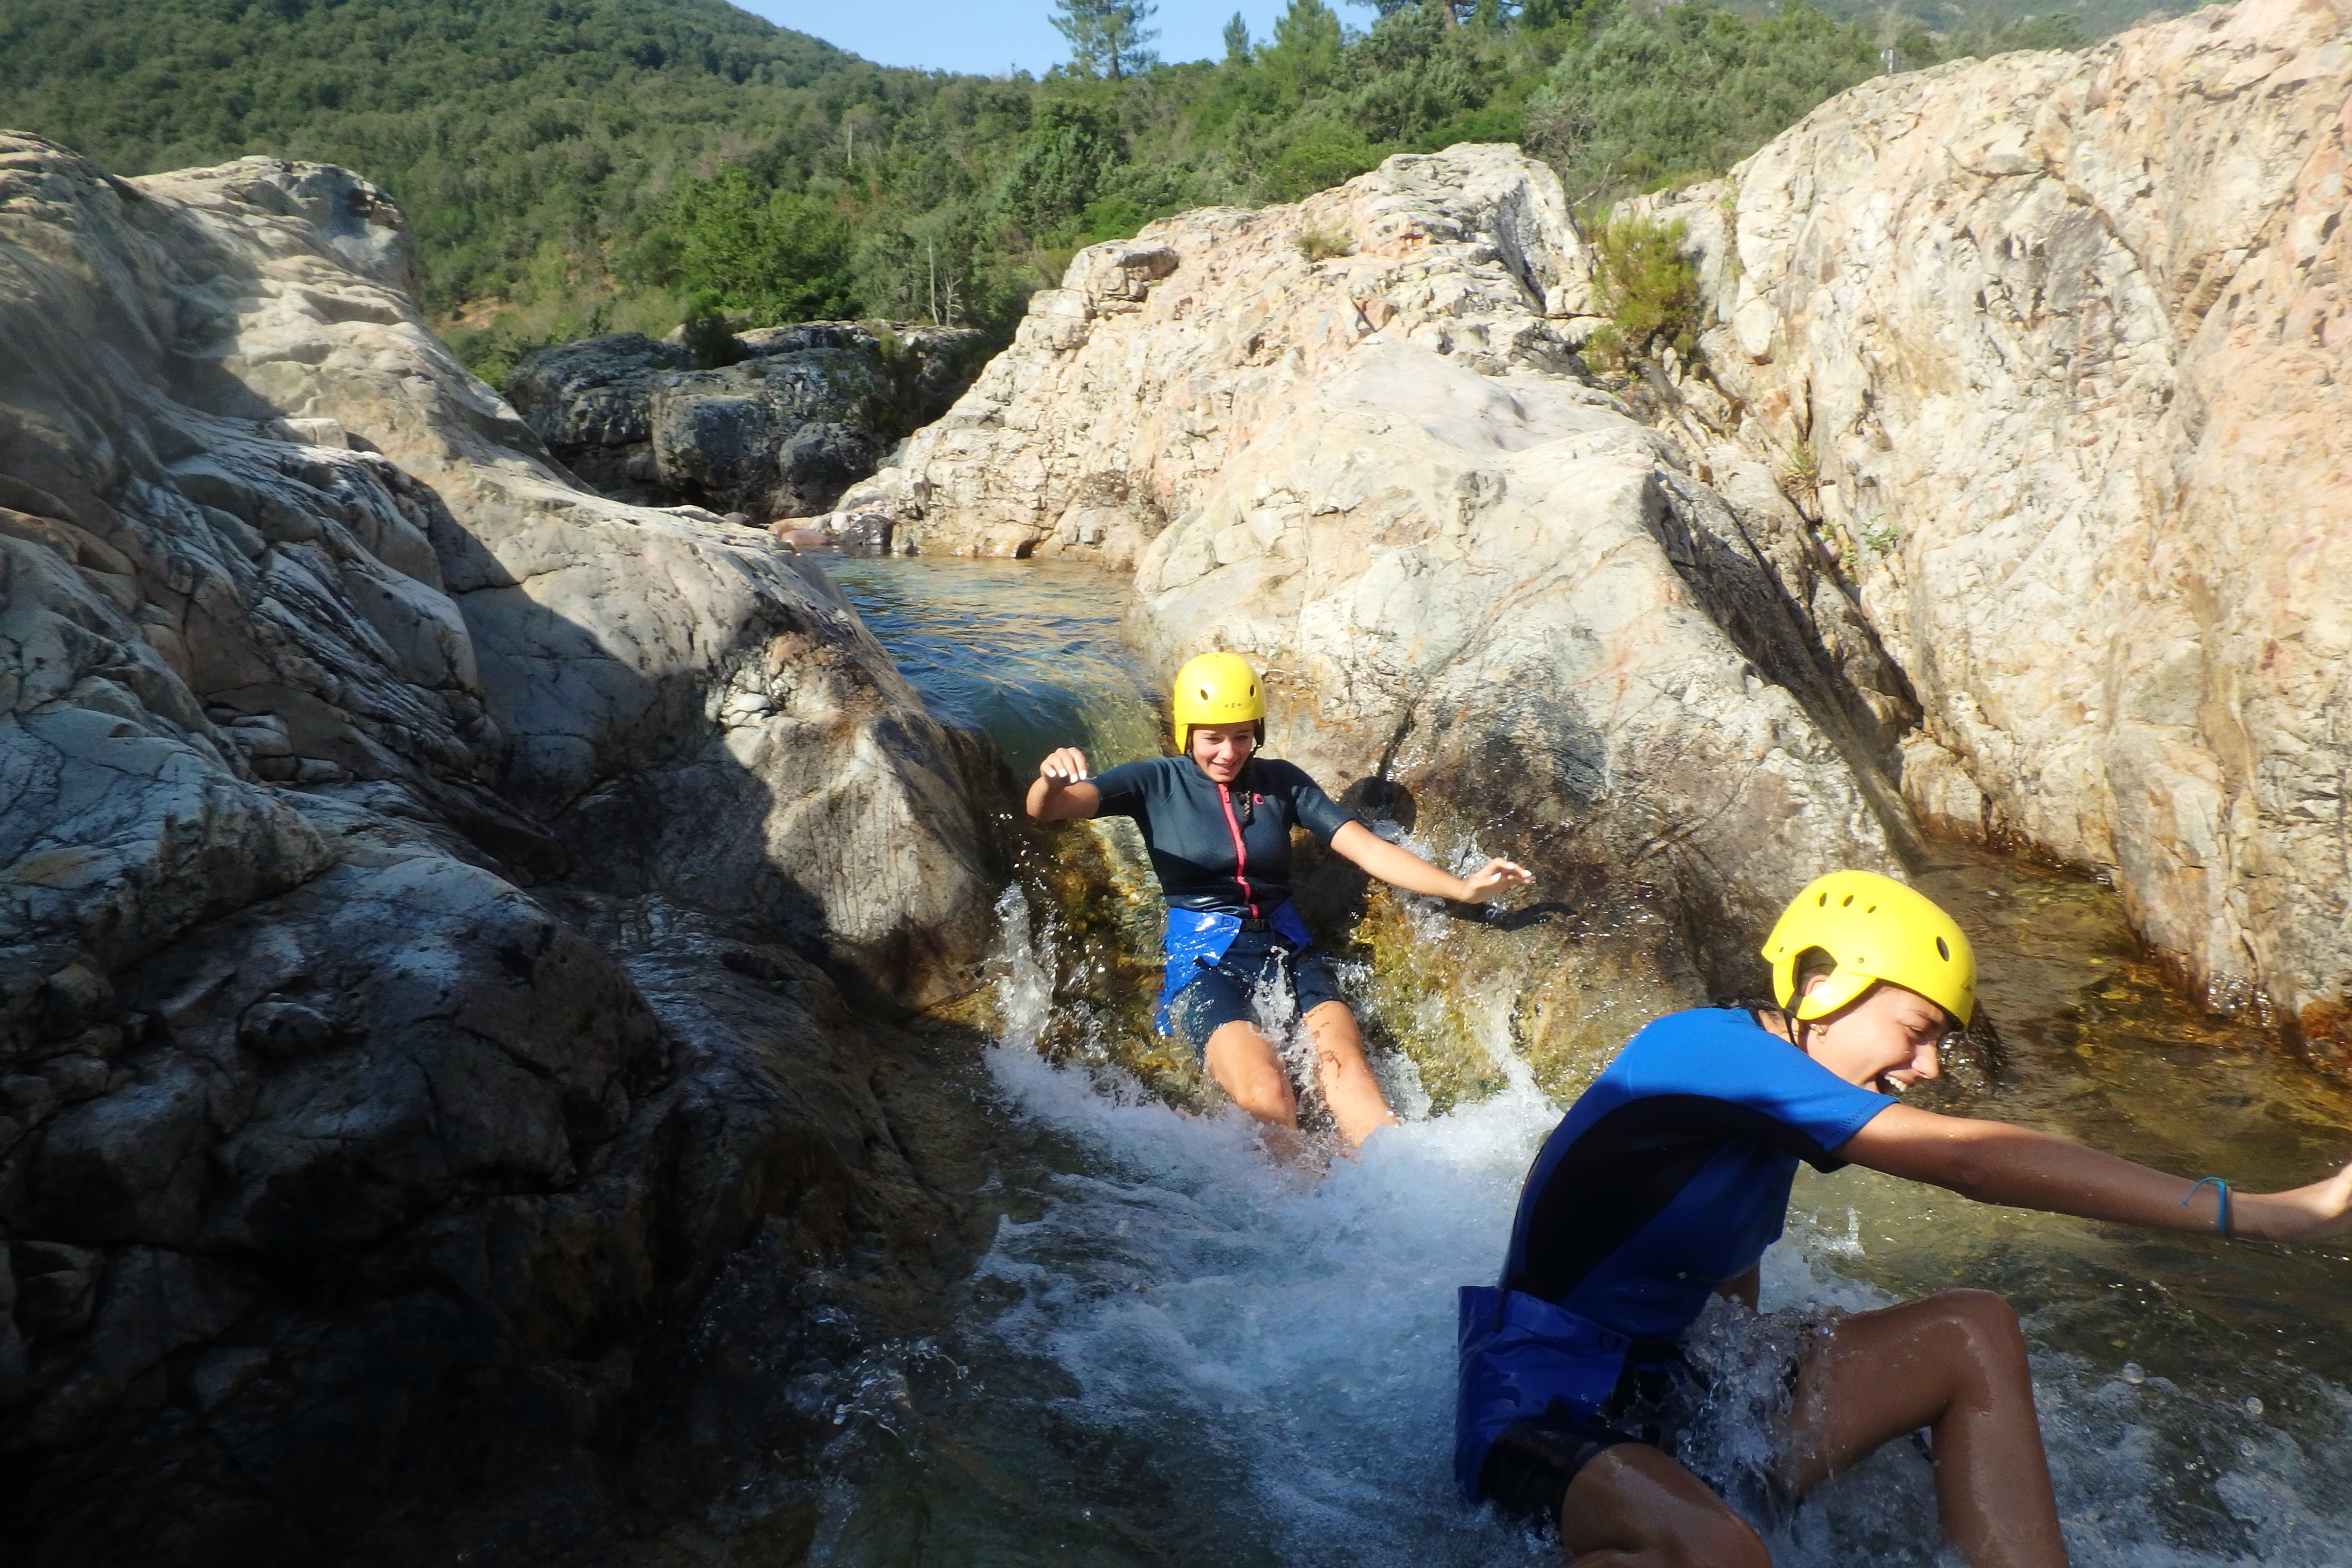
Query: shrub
x=1322 y=241
x=709 y=335
x=1648 y=288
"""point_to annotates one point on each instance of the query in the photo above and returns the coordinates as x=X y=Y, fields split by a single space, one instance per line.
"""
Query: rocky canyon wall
x=432 y=889
x=1352 y=439
x=2049 y=348
x=2068 y=336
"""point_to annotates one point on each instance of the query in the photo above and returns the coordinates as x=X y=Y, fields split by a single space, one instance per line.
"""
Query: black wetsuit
x=1223 y=852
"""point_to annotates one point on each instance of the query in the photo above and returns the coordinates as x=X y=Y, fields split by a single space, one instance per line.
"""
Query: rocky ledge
x=1354 y=438
x=800 y=414
x=2063 y=339
x=2004 y=493
x=426 y=954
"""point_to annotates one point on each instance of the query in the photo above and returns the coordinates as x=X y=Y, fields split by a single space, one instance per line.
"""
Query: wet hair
x=1813 y=963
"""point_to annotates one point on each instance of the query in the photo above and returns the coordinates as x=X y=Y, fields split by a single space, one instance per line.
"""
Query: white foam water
x=1281 y=1338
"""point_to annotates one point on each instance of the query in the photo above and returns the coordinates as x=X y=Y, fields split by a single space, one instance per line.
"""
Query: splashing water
x=1180 y=1350
x=1285 y=1345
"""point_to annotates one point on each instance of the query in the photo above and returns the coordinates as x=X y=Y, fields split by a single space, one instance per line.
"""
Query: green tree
x=1653 y=96
x=1237 y=41
x=1107 y=37
x=575 y=166
x=1648 y=287
x=1067 y=160
x=1307 y=49
x=769 y=255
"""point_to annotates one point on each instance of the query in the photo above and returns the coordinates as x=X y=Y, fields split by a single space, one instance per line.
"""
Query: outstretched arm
x=1060 y=791
x=1400 y=868
x=1995 y=1163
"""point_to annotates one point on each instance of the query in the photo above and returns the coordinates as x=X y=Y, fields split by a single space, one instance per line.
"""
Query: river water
x=1179 y=1350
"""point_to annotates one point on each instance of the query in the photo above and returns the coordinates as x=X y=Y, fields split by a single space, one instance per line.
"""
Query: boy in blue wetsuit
x=1670 y=1176
x=1217 y=820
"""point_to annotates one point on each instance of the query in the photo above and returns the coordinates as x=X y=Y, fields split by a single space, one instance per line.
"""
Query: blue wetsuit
x=1668 y=1177
x=1223 y=857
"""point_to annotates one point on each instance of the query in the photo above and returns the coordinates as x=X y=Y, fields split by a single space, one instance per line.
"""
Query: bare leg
x=1954 y=1363
x=1351 y=1091
x=1631 y=1507
x=1247 y=1066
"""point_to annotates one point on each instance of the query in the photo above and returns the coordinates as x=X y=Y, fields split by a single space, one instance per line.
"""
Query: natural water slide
x=1178 y=1349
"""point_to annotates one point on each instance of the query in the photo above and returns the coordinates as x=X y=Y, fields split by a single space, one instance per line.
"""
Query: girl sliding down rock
x=1217 y=818
x=1670 y=1176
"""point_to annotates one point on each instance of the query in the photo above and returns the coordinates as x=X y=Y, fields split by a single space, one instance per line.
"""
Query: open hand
x=1068 y=765
x=1492 y=878
x=2320 y=1212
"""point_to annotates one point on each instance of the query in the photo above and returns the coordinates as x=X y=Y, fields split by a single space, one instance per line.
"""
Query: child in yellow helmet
x=1669 y=1177
x=1217 y=820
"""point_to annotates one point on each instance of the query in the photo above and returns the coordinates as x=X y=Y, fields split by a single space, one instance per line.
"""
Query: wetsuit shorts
x=1531 y=1462
x=1258 y=960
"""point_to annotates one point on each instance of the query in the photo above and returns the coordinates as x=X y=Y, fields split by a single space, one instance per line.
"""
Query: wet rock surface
x=803 y=411
x=1353 y=438
x=2067 y=336
x=2003 y=492
x=447 y=911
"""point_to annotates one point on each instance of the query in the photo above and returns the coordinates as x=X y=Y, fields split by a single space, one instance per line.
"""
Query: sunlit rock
x=2069 y=335
x=1352 y=439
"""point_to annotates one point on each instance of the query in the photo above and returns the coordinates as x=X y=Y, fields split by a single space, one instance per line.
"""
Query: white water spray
x=1289 y=1339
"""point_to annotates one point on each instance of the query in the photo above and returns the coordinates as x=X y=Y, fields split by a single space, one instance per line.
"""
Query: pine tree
x=1237 y=40
x=1107 y=37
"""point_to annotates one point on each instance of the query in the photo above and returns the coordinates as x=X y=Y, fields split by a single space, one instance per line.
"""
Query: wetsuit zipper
x=1241 y=854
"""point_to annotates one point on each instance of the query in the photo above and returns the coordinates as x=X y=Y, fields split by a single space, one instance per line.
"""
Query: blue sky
x=994 y=36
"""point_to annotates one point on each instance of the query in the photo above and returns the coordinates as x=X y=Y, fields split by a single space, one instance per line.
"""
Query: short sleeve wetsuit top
x=1216 y=848
x=1669 y=1175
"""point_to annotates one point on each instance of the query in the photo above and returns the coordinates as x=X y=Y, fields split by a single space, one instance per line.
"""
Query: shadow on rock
x=448 y=914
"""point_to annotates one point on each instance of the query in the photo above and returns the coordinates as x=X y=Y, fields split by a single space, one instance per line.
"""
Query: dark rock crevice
x=800 y=415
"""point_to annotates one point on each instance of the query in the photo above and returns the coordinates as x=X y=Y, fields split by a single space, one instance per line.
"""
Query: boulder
x=1126 y=387
x=1485 y=597
x=364 y=768
x=2065 y=336
x=801 y=412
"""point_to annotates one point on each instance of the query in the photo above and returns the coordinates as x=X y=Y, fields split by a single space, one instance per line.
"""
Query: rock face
x=2050 y=349
x=1470 y=574
x=2069 y=336
x=1125 y=388
x=805 y=411
x=430 y=887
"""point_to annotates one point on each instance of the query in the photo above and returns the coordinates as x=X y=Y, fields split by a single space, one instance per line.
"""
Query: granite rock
x=359 y=764
x=2068 y=336
x=801 y=412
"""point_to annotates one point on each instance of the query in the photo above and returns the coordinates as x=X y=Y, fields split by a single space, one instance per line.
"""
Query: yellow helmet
x=1876 y=929
x=1215 y=689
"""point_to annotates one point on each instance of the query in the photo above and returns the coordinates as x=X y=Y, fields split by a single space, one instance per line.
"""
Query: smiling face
x=1887 y=1039
x=1223 y=749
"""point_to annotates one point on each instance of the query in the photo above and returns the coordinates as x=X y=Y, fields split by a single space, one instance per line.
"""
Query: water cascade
x=1175 y=1350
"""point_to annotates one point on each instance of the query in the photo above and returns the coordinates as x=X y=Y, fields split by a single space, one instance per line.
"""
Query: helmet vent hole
x=1943 y=950
x=1845 y=902
x=1870 y=910
x=1822 y=902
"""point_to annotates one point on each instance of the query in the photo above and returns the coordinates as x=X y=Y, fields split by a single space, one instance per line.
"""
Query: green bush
x=1648 y=288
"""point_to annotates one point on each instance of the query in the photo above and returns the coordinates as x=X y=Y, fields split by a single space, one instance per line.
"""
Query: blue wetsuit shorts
x=1532 y=1461
x=1258 y=960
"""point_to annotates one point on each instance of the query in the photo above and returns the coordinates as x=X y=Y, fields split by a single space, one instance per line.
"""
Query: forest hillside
x=571 y=166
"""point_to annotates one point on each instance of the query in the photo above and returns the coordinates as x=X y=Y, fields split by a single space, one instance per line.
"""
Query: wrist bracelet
x=2221 y=1196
